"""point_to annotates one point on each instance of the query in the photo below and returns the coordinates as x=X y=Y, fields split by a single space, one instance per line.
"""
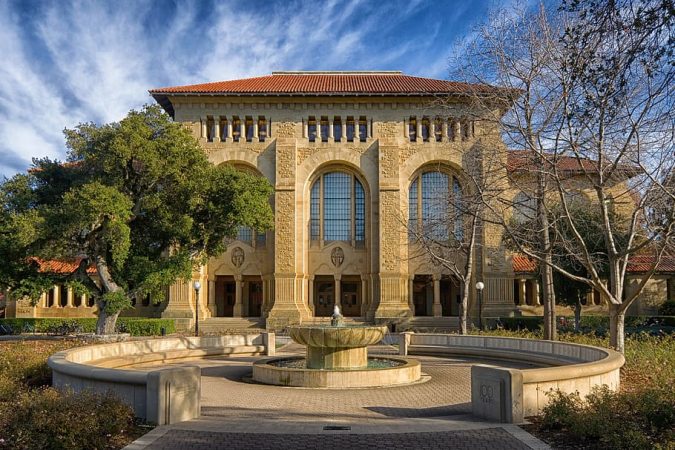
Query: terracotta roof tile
x=523 y=160
x=328 y=83
x=62 y=267
x=522 y=263
x=644 y=263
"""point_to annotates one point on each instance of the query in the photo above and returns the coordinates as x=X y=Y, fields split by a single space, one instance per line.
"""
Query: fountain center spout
x=336 y=318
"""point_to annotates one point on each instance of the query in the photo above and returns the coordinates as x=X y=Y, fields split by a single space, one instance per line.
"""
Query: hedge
x=132 y=325
x=593 y=322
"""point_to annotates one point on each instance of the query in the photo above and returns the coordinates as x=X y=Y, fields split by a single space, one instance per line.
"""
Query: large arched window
x=435 y=207
x=338 y=208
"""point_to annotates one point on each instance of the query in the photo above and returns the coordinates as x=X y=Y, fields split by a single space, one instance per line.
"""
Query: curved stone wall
x=162 y=395
x=509 y=395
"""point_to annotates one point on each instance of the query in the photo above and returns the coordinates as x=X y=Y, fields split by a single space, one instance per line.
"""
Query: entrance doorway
x=450 y=297
x=324 y=296
x=255 y=298
x=423 y=295
x=226 y=291
x=350 y=304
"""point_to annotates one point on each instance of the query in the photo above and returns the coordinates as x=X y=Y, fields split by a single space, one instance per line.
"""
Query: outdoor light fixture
x=197 y=285
x=479 y=287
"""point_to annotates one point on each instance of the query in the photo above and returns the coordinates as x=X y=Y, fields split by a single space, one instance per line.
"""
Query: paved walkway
x=237 y=414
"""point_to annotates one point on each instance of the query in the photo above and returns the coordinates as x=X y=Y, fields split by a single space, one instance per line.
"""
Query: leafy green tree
x=137 y=199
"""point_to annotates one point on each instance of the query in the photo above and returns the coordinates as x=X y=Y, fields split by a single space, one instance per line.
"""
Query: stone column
x=535 y=293
x=343 y=129
x=522 y=292
x=444 y=130
x=310 y=293
x=406 y=134
x=357 y=132
x=212 y=298
x=83 y=301
x=437 y=308
x=216 y=128
x=456 y=129
x=57 y=296
x=43 y=300
x=305 y=128
x=364 y=295
x=204 y=121
x=70 y=298
x=255 y=129
x=432 y=130
x=330 y=130
x=369 y=125
x=420 y=138
x=411 y=294
x=238 y=300
x=229 y=129
x=338 y=292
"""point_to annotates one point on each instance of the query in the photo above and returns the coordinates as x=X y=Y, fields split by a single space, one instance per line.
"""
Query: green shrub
x=668 y=308
x=522 y=323
x=621 y=420
x=132 y=325
x=145 y=327
x=45 y=418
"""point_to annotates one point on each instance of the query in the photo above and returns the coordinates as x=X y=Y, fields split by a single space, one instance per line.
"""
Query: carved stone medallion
x=238 y=256
x=337 y=256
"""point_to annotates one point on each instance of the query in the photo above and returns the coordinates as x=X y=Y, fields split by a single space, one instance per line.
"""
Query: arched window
x=524 y=208
x=337 y=208
x=435 y=206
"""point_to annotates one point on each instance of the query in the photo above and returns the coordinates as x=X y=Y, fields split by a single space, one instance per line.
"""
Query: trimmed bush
x=522 y=323
x=45 y=418
x=132 y=325
x=668 y=308
x=145 y=327
x=615 y=420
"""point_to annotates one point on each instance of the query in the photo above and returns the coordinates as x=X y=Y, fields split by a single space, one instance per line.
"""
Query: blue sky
x=66 y=62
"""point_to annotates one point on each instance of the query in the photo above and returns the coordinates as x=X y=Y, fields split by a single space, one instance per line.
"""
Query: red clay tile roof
x=636 y=264
x=522 y=263
x=62 y=267
x=644 y=263
x=523 y=160
x=328 y=83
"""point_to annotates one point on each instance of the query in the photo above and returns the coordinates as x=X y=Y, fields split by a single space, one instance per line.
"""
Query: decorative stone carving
x=337 y=256
x=238 y=256
x=486 y=393
x=286 y=129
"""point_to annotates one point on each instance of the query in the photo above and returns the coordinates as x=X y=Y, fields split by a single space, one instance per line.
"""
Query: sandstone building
x=356 y=159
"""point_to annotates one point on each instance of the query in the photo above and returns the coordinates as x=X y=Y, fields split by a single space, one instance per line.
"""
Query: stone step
x=216 y=324
x=430 y=324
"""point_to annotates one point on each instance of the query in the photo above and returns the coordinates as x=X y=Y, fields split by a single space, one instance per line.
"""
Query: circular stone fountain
x=337 y=357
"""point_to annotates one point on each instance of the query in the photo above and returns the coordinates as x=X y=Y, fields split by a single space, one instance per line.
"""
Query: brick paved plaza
x=238 y=414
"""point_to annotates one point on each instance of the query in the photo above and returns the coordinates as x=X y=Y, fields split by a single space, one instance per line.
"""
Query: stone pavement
x=237 y=414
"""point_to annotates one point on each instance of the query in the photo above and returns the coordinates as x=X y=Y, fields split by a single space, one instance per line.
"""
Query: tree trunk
x=106 y=322
x=577 y=316
x=468 y=279
x=617 y=317
x=464 y=306
x=547 y=271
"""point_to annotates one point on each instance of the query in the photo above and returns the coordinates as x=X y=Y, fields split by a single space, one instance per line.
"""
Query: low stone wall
x=508 y=395
x=162 y=395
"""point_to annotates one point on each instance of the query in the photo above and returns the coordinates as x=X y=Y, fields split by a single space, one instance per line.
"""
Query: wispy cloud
x=73 y=61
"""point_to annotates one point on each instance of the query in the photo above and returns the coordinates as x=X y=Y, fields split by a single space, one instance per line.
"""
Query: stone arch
x=246 y=157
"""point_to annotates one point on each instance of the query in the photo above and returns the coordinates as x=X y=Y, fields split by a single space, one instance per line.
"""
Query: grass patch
x=33 y=415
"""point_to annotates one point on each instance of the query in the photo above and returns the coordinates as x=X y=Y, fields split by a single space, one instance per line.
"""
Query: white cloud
x=76 y=61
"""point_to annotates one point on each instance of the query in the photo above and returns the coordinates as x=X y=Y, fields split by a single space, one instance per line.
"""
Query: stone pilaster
x=290 y=305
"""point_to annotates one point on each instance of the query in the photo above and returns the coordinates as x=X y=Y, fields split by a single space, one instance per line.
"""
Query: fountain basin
x=337 y=347
x=273 y=372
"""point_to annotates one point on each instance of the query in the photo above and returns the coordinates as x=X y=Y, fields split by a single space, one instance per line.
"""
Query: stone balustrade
x=508 y=395
x=160 y=395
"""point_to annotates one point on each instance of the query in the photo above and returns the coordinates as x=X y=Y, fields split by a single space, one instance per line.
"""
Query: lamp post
x=479 y=287
x=197 y=285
